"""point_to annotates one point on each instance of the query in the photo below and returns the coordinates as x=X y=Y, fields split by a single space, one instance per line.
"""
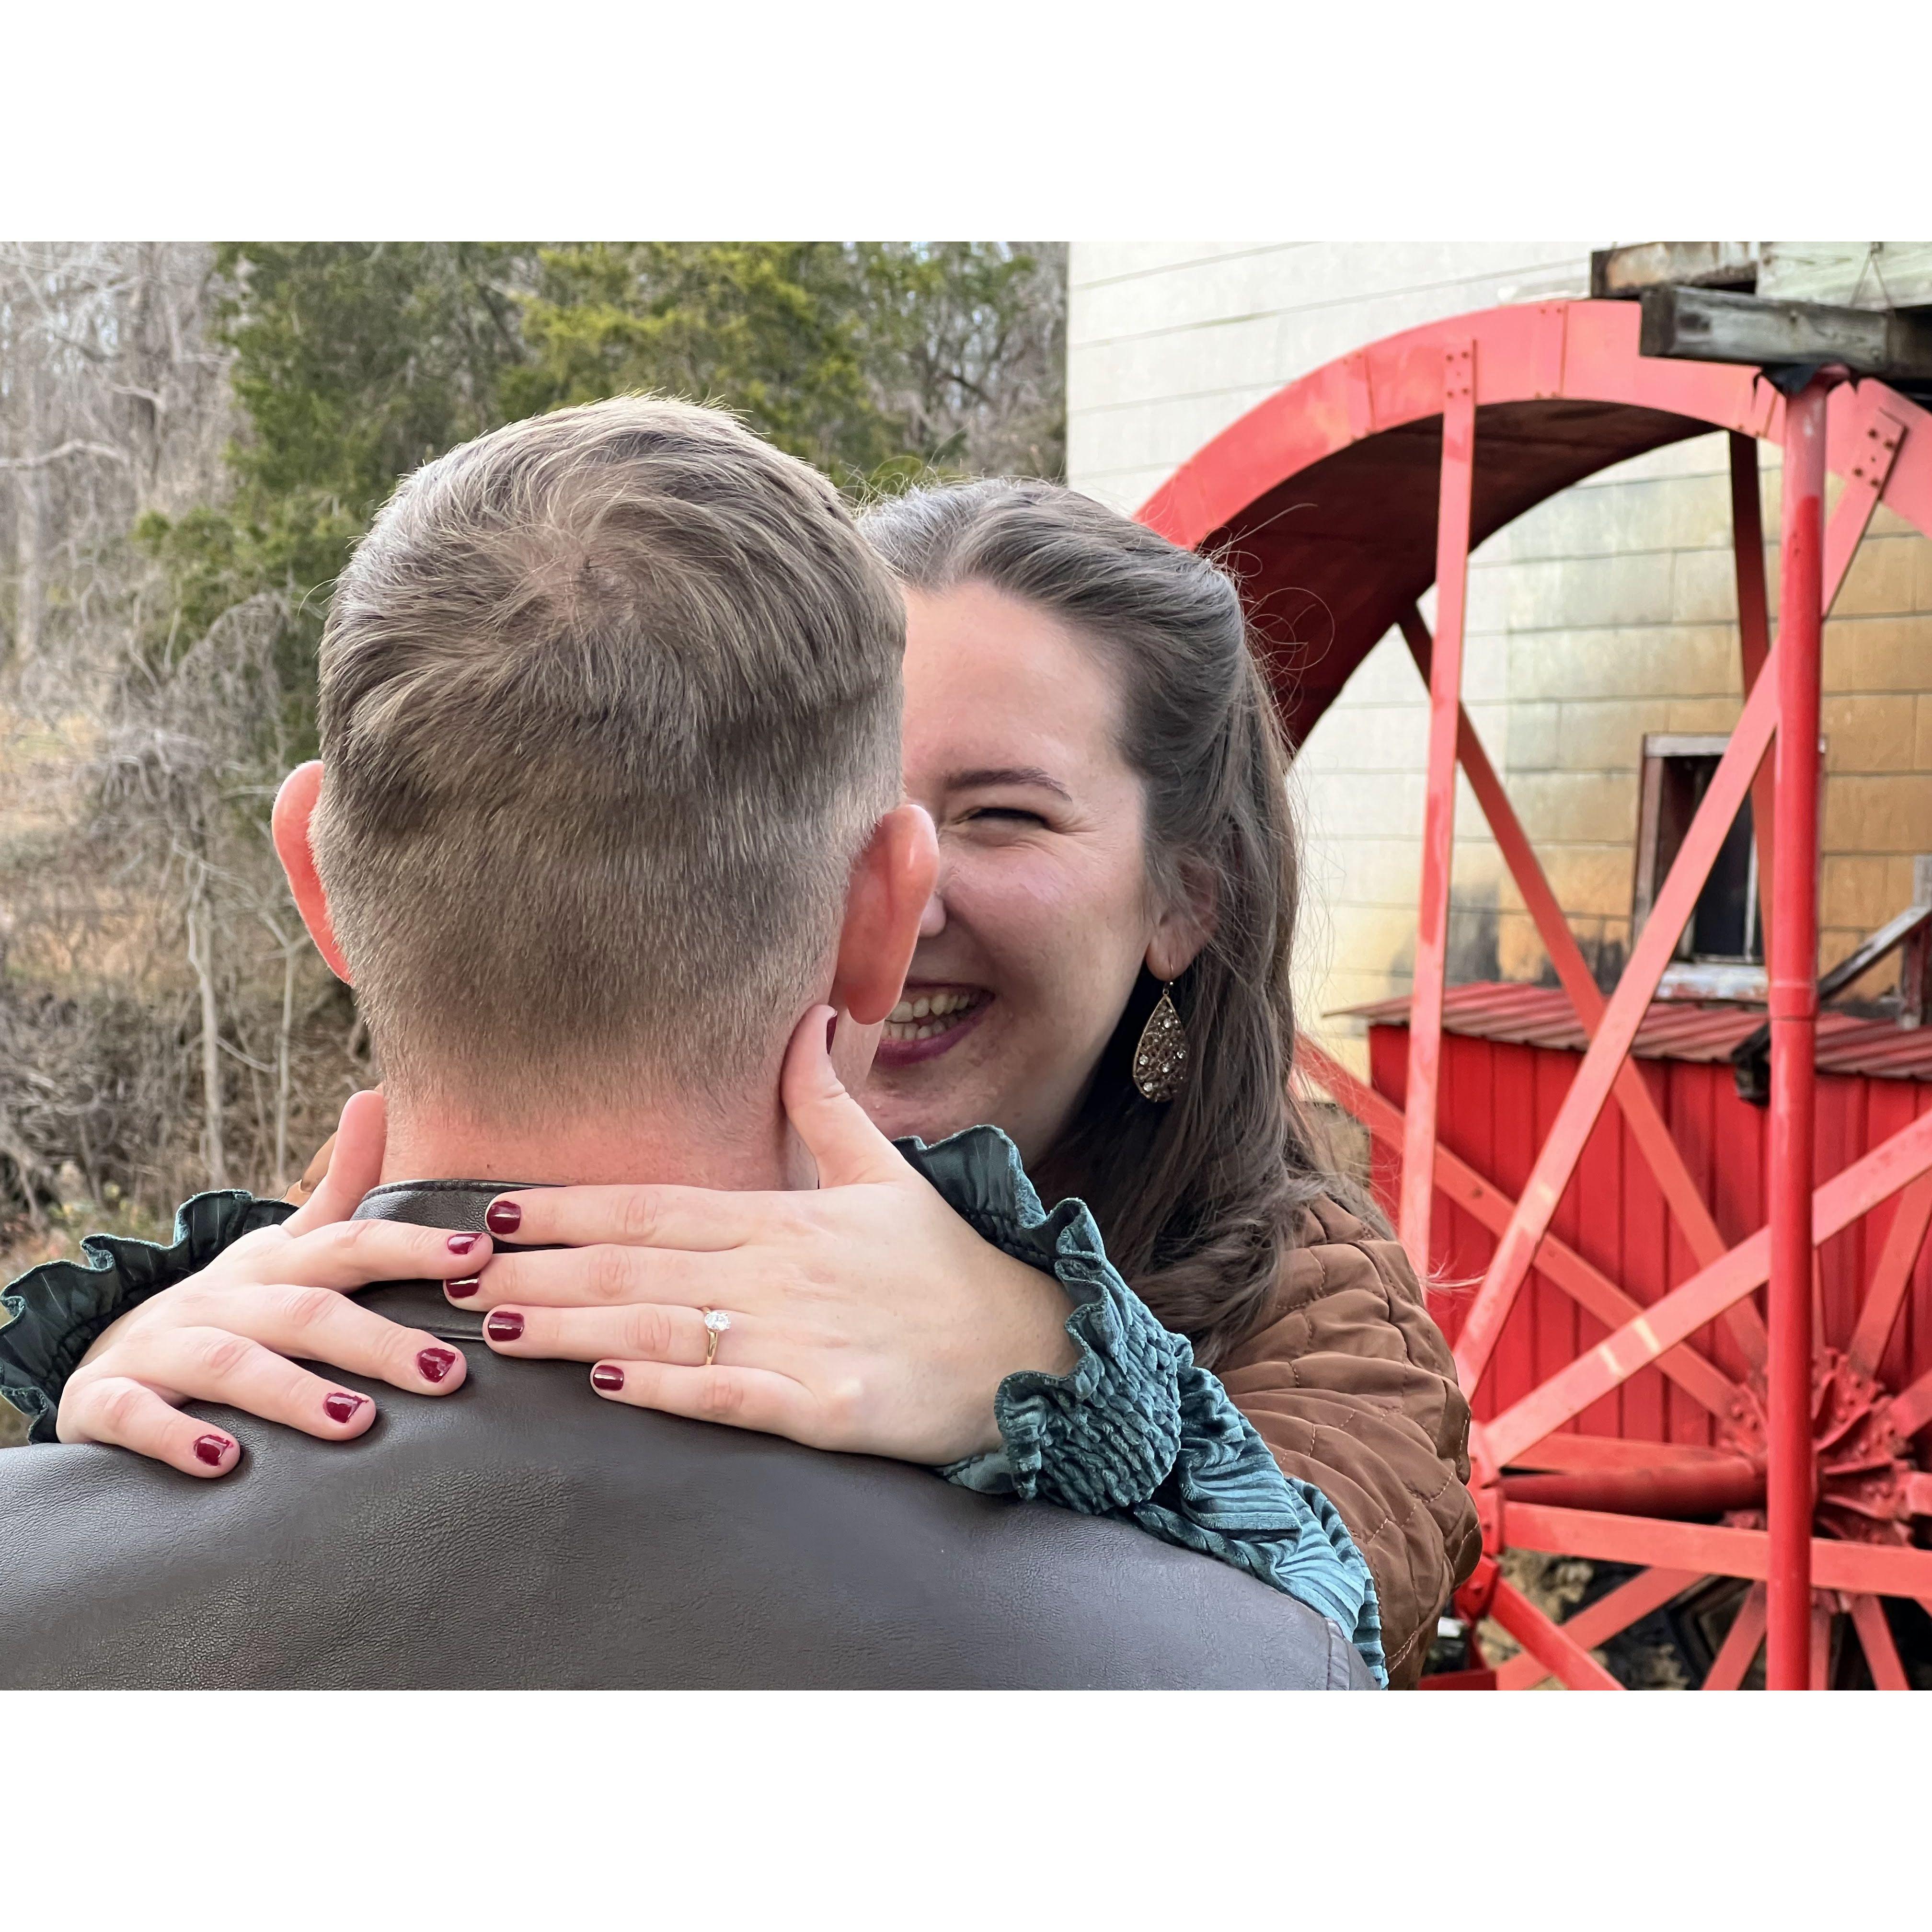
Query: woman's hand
x=865 y=1316
x=222 y=1335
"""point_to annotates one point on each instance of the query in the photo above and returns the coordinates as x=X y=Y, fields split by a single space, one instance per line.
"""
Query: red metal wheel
x=1396 y=459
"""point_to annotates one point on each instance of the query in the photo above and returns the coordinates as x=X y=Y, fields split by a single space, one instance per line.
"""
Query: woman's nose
x=932 y=921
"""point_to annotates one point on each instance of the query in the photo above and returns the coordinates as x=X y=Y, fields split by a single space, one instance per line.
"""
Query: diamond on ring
x=716 y=1320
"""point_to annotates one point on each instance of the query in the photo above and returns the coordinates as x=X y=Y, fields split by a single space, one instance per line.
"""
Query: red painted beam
x=1754 y=638
x=1875 y=1637
x=1549 y=1643
x=1438 y=817
x=1662 y=1490
x=1911 y=1407
x=1741 y=1643
x=1598 y=1622
x=1817 y=1649
x=1864 y=485
x=1793 y=1006
x=1618 y=1452
x=1881 y=1569
x=1892 y=1277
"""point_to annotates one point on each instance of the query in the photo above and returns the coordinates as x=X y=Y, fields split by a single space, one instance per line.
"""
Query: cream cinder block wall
x=1603 y=615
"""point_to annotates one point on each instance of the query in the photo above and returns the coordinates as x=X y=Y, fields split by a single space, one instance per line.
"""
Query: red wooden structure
x=1350 y=492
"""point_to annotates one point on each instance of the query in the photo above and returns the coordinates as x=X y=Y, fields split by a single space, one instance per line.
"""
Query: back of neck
x=754 y=1148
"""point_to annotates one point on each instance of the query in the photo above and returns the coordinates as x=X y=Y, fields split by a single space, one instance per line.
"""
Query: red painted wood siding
x=1499 y=1100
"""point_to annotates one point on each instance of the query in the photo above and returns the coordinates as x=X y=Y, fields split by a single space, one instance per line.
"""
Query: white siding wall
x=1169 y=342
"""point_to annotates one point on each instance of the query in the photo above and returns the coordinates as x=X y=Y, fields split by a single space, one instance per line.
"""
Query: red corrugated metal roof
x=1671 y=1029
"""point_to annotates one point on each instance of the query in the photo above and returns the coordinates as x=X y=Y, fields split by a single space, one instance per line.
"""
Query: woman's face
x=1042 y=916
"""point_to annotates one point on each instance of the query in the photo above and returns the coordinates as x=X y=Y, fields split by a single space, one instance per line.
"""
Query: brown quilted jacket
x=1350 y=1383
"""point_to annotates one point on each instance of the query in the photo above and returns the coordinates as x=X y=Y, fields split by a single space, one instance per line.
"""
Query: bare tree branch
x=74 y=446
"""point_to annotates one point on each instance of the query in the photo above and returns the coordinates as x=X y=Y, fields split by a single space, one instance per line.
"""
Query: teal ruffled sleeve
x=1137 y=1429
x=50 y=1318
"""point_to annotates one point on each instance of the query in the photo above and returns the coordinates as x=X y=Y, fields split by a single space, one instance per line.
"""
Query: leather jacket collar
x=460 y=1205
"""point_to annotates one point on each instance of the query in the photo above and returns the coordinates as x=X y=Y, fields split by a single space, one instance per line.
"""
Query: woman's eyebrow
x=1007 y=775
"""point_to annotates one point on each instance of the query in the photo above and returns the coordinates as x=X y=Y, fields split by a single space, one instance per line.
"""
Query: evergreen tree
x=354 y=362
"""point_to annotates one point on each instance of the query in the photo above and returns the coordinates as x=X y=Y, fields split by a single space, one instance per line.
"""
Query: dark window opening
x=1725 y=927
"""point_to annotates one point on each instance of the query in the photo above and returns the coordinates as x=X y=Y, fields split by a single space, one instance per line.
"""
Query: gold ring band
x=716 y=1323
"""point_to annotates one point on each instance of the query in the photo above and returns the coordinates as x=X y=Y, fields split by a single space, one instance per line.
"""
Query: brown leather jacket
x=1350 y=1383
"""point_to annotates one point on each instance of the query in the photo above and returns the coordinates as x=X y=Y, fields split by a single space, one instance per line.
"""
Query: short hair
x=610 y=703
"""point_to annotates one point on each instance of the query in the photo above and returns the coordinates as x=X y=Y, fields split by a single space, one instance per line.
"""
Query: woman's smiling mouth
x=929 y=1020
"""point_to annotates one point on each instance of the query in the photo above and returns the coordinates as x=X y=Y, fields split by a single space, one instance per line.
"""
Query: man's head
x=610 y=721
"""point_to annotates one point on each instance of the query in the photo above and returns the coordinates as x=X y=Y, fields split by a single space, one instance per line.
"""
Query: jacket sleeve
x=1353 y=1388
x=51 y=1316
x=1136 y=1429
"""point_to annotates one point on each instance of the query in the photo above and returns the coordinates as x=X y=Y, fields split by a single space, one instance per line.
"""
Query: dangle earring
x=1161 y=1057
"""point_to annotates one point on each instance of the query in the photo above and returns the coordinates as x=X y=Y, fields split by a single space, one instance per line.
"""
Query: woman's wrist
x=1037 y=1339
x=1032 y=1340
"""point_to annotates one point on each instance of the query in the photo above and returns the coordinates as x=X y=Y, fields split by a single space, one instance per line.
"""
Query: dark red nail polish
x=504 y=1217
x=607 y=1376
x=463 y=1289
x=341 y=1408
x=435 y=1363
x=504 y=1325
x=831 y=1031
x=461 y=1244
x=211 y=1448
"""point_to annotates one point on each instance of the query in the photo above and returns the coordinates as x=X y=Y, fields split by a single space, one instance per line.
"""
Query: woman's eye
x=1004 y=814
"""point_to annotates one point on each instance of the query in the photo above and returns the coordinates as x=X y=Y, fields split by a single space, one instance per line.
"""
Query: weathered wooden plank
x=1619 y=274
x=1714 y=325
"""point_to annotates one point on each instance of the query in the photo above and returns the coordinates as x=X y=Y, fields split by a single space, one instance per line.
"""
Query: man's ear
x=1185 y=927
x=890 y=886
x=295 y=806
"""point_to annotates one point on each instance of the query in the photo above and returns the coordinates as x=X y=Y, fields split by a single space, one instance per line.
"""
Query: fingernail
x=435 y=1363
x=463 y=1289
x=211 y=1448
x=607 y=1376
x=504 y=1325
x=461 y=1244
x=831 y=1029
x=341 y=1408
x=504 y=1217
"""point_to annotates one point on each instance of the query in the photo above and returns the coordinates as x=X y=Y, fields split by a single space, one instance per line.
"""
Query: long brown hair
x=1198 y=1199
